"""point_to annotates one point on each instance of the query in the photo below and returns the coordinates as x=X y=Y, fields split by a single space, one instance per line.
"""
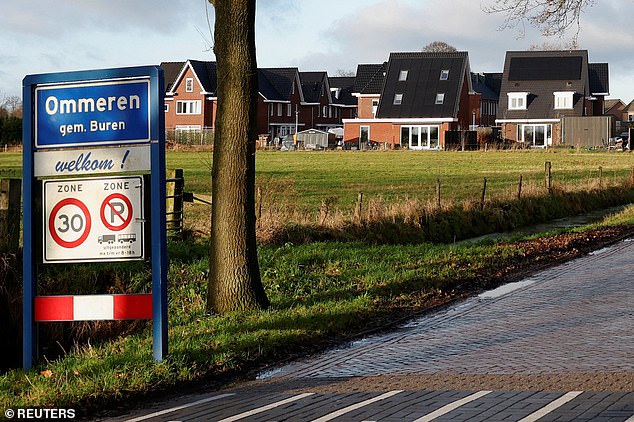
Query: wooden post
x=438 y=193
x=10 y=195
x=358 y=207
x=519 y=188
x=548 y=179
x=484 y=192
x=600 y=177
x=174 y=200
x=258 y=214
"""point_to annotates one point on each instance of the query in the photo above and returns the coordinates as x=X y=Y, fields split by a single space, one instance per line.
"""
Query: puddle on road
x=505 y=289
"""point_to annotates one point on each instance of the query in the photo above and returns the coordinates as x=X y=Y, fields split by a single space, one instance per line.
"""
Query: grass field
x=312 y=176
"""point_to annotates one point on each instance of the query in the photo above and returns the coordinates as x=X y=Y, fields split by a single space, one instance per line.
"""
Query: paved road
x=556 y=346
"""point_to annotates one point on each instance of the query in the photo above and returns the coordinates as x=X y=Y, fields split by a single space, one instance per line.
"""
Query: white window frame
x=547 y=129
x=563 y=100
x=423 y=141
x=444 y=74
x=402 y=75
x=188 y=107
x=440 y=98
x=289 y=110
x=398 y=99
x=189 y=85
x=517 y=100
x=279 y=109
x=375 y=106
x=166 y=108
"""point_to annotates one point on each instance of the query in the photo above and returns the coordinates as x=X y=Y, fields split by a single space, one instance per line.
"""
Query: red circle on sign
x=124 y=221
x=51 y=223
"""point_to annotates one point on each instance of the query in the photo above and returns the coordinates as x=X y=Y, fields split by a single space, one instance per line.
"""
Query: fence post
x=357 y=208
x=174 y=200
x=548 y=178
x=10 y=195
x=484 y=192
x=600 y=177
x=438 y=193
x=519 y=188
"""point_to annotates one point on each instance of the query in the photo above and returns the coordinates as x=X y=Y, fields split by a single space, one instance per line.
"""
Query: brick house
x=190 y=96
x=288 y=100
x=422 y=97
x=542 y=88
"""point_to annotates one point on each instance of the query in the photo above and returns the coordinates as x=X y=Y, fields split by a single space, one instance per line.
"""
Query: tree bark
x=234 y=274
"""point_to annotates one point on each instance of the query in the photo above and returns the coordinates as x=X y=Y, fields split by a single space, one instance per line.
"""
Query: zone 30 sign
x=93 y=219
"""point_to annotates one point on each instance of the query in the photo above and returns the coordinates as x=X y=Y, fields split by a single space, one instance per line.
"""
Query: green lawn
x=312 y=176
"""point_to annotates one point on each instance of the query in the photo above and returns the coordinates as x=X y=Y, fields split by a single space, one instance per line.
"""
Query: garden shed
x=316 y=139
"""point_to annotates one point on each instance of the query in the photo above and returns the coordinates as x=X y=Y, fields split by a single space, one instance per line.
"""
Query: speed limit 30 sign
x=93 y=219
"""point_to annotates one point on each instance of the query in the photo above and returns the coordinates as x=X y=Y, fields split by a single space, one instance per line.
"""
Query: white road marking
x=630 y=419
x=452 y=406
x=356 y=406
x=551 y=406
x=265 y=408
x=174 y=409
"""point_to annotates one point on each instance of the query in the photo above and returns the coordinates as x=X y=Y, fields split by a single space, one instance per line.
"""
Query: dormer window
x=402 y=76
x=563 y=100
x=189 y=85
x=517 y=100
x=398 y=99
x=444 y=74
x=440 y=98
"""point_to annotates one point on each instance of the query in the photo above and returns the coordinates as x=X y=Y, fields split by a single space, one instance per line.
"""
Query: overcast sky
x=54 y=36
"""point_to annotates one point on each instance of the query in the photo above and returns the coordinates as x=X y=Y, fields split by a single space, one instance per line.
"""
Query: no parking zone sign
x=93 y=157
x=93 y=219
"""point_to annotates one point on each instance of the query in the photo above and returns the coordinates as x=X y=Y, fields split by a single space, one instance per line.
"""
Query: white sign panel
x=93 y=219
x=91 y=161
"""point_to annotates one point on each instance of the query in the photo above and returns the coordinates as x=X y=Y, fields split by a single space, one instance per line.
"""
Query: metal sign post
x=89 y=127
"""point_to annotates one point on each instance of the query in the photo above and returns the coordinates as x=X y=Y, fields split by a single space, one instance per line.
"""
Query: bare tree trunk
x=234 y=274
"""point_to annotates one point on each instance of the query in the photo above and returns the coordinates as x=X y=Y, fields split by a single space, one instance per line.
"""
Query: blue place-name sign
x=92 y=113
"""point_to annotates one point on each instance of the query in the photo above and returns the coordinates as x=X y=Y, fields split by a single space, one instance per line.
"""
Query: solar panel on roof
x=545 y=68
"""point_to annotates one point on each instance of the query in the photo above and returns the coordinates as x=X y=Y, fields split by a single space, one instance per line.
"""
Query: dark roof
x=370 y=78
x=276 y=84
x=545 y=68
x=541 y=74
x=487 y=85
x=341 y=88
x=423 y=84
x=599 y=78
x=171 y=70
x=313 y=84
x=206 y=72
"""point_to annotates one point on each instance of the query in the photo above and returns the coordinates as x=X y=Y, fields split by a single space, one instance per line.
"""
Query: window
x=440 y=98
x=539 y=136
x=402 y=76
x=364 y=136
x=517 y=100
x=279 y=109
x=325 y=111
x=189 y=85
x=420 y=137
x=563 y=100
x=166 y=108
x=375 y=106
x=398 y=99
x=188 y=107
x=289 y=110
x=444 y=74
